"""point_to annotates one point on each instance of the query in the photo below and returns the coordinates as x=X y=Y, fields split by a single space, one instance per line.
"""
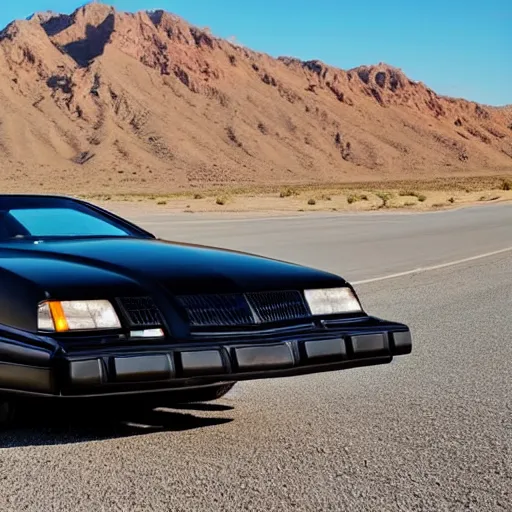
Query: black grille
x=216 y=310
x=244 y=309
x=141 y=311
x=278 y=306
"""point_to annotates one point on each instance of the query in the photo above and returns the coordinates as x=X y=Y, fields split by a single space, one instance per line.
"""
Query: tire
x=208 y=394
x=142 y=405
x=7 y=413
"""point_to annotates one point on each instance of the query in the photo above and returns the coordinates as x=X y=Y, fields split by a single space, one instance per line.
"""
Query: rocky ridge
x=145 y=101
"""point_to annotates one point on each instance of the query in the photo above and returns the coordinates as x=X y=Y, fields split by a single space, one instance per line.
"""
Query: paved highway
x=430 y=432
x=358 y=246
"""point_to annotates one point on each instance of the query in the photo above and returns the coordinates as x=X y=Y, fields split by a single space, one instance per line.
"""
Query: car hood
x=178 y=267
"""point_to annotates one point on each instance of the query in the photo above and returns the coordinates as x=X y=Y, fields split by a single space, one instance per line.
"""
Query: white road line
x=433 y=267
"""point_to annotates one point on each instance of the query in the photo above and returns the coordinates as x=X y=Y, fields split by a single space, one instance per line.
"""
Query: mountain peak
x=148 y=101
x=43 y=16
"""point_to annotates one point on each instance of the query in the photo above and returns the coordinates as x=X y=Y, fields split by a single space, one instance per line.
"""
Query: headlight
x=331 y=301
x=62 y=316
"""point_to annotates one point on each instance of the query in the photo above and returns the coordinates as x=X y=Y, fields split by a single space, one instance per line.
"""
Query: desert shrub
x=506 y=185
x=412 y=193
x=232 y=136
x=269 y=80
x=262 y=128
x=354 y=198
x=384 y=197
x=162 y=202
x=311 y=202
x=409 y=203
x=221 y=200
x=451 y=200
x=288 y=192
x=198 y=196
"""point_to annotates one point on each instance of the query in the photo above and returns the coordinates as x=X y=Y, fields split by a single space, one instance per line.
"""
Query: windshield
x=65 y=220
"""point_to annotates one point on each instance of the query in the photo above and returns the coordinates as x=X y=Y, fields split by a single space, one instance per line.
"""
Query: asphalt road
x=358 y=246
x=430 y=432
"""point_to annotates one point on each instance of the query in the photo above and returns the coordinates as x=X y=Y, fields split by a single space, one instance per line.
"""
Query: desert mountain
x=103 y=100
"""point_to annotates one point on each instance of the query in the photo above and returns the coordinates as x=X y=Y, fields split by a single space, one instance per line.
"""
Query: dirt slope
x=106 y=100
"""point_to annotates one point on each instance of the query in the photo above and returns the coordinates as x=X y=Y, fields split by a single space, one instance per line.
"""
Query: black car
x=94 y=307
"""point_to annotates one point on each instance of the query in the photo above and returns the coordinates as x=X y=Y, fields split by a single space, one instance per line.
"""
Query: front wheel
x=143 y=404
x=7 y=413
x=207 y=394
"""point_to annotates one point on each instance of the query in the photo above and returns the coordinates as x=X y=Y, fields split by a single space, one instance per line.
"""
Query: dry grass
x=288 y=192
x=354 y=198
x=489 y=198
x=412 y=193
x=421 y=196
x=385 y=197
x=362 y=191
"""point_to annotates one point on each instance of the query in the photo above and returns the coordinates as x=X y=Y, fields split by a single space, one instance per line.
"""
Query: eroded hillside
x=106 y=100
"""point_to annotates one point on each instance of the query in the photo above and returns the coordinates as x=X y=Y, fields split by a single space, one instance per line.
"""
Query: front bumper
x=150 y=368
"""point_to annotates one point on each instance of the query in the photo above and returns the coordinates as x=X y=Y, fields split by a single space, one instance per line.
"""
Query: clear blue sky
x=461 y=48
